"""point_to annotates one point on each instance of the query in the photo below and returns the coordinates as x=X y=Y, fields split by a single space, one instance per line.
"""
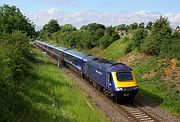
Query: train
x=115 y=80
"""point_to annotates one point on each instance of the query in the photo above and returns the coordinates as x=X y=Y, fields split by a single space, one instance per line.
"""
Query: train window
x=71 y=58
x=124 y=76
x=109 y=78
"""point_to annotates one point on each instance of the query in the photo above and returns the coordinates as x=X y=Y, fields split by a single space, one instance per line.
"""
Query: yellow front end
x=120 y=84
x=125 y=88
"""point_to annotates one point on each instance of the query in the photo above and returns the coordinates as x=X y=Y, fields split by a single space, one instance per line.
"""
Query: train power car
x=112 y=78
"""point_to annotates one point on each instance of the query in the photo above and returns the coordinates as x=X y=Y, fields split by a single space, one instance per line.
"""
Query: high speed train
x=114 y=79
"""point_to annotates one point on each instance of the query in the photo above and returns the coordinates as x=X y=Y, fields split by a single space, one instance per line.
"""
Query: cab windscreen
x=124 y=76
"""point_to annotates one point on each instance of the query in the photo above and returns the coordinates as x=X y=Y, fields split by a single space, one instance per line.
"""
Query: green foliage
x=68 y=28
x=52 y=26
x=14 y=49
x=105 y=41
x=159 y=38
x=138 y=37
x=15 y=66
x=12 y=19
x=141 y=25
x=149 y=25
x=121 y=27
x=89 y=36
x=93 y=27
x=46 y=96
x=133 y=26
x=48 y=29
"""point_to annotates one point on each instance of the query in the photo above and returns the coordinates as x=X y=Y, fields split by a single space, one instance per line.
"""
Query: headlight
x=119 y=89
x=135 y=87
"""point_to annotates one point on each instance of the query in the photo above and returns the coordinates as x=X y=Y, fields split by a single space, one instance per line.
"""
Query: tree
x=115 y=36
x=68 y=28
x=12 y=19
x=97 y=35
x=51 y=27
x=133 y=26
x=158 y=40
x=121 y=27
x=93 y=27
x=149 y=25
x=109 y=30
x=141 y=25
x=105 y=41
x=138 y=37
x=86 y=39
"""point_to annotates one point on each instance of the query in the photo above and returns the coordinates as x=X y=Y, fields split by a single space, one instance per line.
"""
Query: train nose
x=126 y=92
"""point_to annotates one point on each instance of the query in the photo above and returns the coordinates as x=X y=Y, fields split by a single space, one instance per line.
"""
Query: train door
x=85 y=68
x=108 y=80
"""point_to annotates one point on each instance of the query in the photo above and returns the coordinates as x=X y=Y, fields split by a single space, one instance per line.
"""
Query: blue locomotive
x=112 y=78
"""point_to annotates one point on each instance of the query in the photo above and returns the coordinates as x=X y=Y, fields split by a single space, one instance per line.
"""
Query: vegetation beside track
x=46 y=95
x=54 y=96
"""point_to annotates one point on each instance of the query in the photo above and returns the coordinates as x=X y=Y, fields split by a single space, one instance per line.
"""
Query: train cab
x=123 y=82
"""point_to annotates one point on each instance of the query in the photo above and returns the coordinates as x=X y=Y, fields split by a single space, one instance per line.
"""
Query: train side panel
x=96 y=74
x=73 y=62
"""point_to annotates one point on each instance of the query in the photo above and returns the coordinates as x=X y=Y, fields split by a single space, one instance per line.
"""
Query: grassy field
x=47 y=96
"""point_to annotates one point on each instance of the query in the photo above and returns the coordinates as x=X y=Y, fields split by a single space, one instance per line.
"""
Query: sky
x=107 y=12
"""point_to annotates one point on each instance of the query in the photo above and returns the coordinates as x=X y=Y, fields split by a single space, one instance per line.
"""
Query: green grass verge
x=47 y=96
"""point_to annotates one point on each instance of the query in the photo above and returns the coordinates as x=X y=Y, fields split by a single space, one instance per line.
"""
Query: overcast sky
x=107 y=12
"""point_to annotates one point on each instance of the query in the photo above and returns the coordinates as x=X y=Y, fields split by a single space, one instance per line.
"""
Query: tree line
x=156 y=38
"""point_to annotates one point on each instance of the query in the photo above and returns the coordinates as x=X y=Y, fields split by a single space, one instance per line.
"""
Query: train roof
x=75 y=53
x=60 y=48
x=119 y=67
x=45 y=43
x=108 y=65
x=101 y=63
x=89 y=58
x=53 y=46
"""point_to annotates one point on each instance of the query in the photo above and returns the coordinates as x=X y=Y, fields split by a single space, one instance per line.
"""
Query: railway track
x=139 y=114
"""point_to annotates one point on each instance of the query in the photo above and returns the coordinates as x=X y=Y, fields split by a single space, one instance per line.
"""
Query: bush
x=138 y=37
x=14 y=51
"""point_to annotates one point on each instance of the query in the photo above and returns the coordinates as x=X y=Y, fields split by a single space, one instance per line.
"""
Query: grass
x=117 y=48
x=47 y=96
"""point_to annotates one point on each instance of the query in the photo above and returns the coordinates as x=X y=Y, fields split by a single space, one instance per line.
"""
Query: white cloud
x=85 y=17
x=52 y=10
